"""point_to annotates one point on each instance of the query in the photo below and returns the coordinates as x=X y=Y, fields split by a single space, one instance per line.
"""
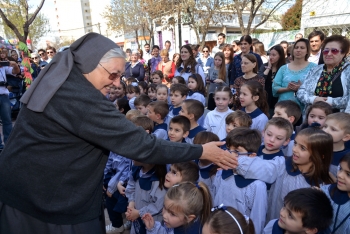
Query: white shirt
x=3 y=72
x=215 y=122
x=146 y=56
x=314 y=58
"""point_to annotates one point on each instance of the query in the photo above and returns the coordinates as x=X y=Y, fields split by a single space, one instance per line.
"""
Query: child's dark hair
x=221 y=222
x=200 y=85
x=291 y=108
x=189 y=171
x=194 y=107
x=320 y=147
x=144 y=122
x=205 y=137
x=244 y=119
x=249 y=139
x=313 y=205
x=191 y=199
x=224 y=89
x=161 y=171
x=258 y=90
x=142 y=100
x=123 y=105
x=132 y=89
x=183 y=89
x=180 y=79
x=160 y=108
x=319 y=105
x=281 y=123
x=346 y=159
x=143 y=85
x=159 y=73
x=131 y=80
x=162 y=86
x=152 y=87
x=183 y=121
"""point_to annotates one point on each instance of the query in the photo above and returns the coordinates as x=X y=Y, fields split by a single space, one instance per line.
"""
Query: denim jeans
x=5 y=115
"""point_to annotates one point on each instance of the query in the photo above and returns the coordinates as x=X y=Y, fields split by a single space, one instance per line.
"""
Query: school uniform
x=215 y=122
x=196 y=96
x=278 y=172
x=204 y=176
x=259 y=119
x=273 y=228
x=224 y=147
x=337 y=156
x=173 y=111
x=159 y=228
x=248 y=196
x=193 y=132
x=160 y=131
x=341 y=209
x=143 y=189
x=131 y=103
x=288 y=149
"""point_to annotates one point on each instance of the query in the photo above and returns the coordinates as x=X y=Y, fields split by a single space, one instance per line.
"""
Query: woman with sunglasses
x=290 y=76
x=329 y=82
x=206 y=61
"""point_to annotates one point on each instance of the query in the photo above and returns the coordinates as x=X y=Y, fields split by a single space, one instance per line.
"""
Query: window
x=87 y=17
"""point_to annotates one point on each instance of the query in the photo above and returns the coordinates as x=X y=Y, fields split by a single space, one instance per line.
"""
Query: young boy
x=306 y=210
x=338 y=126
x=276 y=134
x=290 y=111
x=248 y=196
x=178 y=93
x=157 y=77
x=179 y=128
x=193 y=110
x=157 y=111
x=141 y=103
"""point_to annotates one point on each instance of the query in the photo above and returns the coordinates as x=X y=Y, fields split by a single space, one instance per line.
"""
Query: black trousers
x=116 y=206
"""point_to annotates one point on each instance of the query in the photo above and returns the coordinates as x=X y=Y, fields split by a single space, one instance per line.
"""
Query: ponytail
x=207 y=201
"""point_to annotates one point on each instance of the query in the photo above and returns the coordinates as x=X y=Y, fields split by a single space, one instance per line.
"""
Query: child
x=253 y=100
x=179 y=127
x=225 y=220
x=277 y=134
x=237 y=119
x=157 y=77
x=178 y=93
x=132 y=81
x=197 y=88
x=193 y=110
x=316 y=113
x=215 y=120
x=186 y=208
x=120 y=90
x=162 y=93
x=307 y=167
x=178 y=80
x=339 y=195
x=112 y=96
x=305 y=210
x=143 y=87
x=290 y=111
x=207 y=169
x=141 y=103
x=157 y=111
x=122 y=105
x=338 y=126
x=181 y=172
x=133 y=113
x=132 y=92
x=152 y=92
x=248 y=196
x=217 y=77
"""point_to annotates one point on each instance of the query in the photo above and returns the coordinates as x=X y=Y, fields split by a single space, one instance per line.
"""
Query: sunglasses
x=35 y=57
x=333 y=51
x=41 y=54
x=112 y=76
x=205 y=51
x=49 y=52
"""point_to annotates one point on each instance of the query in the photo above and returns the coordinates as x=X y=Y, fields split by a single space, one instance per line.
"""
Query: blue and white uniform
x=337 y=156
x=193 y=133
x=196 y=96
x=215 y=122
x=259 y=119
x=161 y=131
x=288 y=149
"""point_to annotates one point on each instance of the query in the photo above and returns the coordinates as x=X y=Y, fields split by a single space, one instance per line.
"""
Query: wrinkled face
x=134 y=57
x=247 y=65
x=291 y=221
x=301 y=154
x=171 y=217
x=162 y=95
x=343 y=177
x=176 y=98
x=315 y=44
x=274 y=57
x=172 y=177
x=245 y=47
x=334 y=129
x=222 y=100
x=176 y=132
x=156 y=79
x=316 y=115
x=192 y=84
x=185 y=54
x=332 y=54
x=275 y=138
x=300 y=50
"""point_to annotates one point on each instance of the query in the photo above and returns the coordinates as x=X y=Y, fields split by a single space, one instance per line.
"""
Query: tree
x=18 y=18
x=292 y=18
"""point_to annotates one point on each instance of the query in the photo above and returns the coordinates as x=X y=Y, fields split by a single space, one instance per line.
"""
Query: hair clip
x=175 y=185
x=224 y=208
x=134 y=84
x=197 y=185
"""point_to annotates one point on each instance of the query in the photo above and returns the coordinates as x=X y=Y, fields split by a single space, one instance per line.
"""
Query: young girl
x=120 y=90
x=316 y=113
x=162 y=93
x=181 y=172
x=157 y=77
x=122 y=105
x=197 y=88
x=207 y=170
x=178 y=79
x=253 y=100
x=309 y=166
x=132 y=92
x=143 y=87
x=216 y=78
x=225 y=220
x=186 y=208
x=215 y=120
x=152 y=92
x=339 y=195
x=145 y=191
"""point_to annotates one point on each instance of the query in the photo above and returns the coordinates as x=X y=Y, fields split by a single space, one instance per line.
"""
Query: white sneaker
x=127 y=225
x=113 y=230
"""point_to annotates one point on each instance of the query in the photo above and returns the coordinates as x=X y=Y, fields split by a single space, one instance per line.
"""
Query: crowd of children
x=289 y=179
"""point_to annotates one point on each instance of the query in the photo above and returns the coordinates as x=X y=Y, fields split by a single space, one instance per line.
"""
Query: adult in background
x=65 y=136
x=290 y=76
x=228 y=54
x=35 y=64
x=153 y=62
x=187 y=65
x=298 y=36
x=134 y=68
x=43 y=56
x=4 y=55
x=195 y=50
x=246 y=47
x=166 y=66
x=316 y=39
x=260 y=50
x=170 y=50
x=220 y=43
x=128 y=54
x=206 y=61
x=147 y=55
x=15 y=56
x=51 y=52
x=329 y=82
x=269 y=71
x=284 y=45
x=236 y=45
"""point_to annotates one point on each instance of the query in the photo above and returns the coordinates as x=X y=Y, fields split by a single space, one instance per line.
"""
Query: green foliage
x=292 y=18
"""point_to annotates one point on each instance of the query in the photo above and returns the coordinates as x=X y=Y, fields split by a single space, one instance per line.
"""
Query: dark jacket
x=137 y=72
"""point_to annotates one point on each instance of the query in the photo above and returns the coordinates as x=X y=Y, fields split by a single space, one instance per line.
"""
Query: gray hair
x=113 y=53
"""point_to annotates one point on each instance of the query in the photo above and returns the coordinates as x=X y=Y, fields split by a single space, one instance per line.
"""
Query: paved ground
x=108 y=222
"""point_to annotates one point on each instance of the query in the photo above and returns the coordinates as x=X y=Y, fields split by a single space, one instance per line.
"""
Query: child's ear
x=255 y=98
x=147 y=131
x=186 y=134
x=291 y=119
x=286 y=142
x=191 y=116
x=158 y=116
x=252 y=155
x=121 y=110
x=184 y=97
x=311 y=230
x=190 y=218
x=346 y=137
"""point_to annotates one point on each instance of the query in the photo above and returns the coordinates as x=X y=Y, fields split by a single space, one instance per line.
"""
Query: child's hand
x=148 y=220
x=217 y=81
x=108 y=194
x=121 y=188
x=131 y=205
x=133 y=214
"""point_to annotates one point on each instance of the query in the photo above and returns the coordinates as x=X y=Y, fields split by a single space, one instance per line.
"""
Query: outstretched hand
x=148 y=221
x=218 y=156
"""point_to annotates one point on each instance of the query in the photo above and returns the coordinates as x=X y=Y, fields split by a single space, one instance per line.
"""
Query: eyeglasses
x=35 y=57
x=112 y=76
x=239 y=153
x=41 y=54
x=205 y=51
x=50 y=52
x=333 y=51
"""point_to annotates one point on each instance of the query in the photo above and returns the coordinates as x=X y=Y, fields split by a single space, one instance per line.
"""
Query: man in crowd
x=170 y=50
x=221 y=42
x=146 y=53
x=51 y=52
x=316 y=38
x=298 y=36
x=284 y=45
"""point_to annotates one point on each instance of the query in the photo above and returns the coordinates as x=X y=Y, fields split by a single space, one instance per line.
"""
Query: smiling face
x=247 y=65
x=134 y=57
x=185 y=54
x=316 y=115
x=274 y=138
x=301 y=154
x=333 y=58
x=155 y=52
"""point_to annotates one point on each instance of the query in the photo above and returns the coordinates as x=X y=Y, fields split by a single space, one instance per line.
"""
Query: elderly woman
x=65 y=135
x=329 y=82
x=134 y=68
